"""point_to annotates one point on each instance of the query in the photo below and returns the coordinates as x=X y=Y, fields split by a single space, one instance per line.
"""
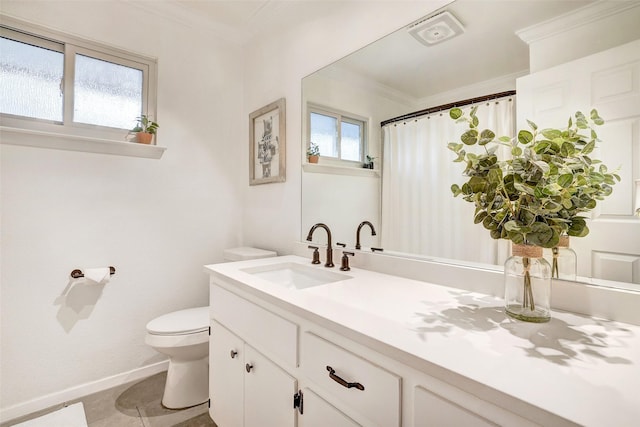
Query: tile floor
x=135 y=404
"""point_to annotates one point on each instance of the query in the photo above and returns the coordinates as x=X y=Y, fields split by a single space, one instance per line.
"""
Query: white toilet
x=184 y=337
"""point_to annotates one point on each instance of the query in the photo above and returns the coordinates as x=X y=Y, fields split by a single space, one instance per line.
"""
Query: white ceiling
x=241 y=20
x=489 y=46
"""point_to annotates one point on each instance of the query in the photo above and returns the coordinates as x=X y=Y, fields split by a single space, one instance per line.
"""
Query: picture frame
x=267 y=144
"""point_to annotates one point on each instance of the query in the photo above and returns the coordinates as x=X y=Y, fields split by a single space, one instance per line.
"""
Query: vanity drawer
x=379 y=401
x=266 y=331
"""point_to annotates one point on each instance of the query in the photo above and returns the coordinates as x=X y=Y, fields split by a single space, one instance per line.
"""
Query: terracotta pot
x=313 y=159
x=144 y=137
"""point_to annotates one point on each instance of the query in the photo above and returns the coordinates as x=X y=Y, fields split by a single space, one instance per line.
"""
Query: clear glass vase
x=563 y=260
x=527 y=287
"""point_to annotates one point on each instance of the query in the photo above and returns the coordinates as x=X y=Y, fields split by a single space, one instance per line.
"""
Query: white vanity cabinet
x=261 y=355
x=254 y=372
x=377 y=350
x=245 y=387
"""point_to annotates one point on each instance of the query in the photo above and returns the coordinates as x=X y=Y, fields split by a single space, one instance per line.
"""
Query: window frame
x=340 y=116
x=70 y=46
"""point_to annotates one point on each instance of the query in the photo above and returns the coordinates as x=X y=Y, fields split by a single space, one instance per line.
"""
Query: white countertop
x=580 y=368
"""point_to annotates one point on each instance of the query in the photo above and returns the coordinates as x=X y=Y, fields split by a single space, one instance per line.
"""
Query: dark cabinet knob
x=248 y=367
x=233 y=354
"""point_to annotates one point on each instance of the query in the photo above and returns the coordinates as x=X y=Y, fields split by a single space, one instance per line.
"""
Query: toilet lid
x=180 y=322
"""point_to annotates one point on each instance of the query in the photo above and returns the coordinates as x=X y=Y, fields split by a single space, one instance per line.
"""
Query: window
x=62 y=84
x=339 y=136
x=30 y=79
x=106 y=94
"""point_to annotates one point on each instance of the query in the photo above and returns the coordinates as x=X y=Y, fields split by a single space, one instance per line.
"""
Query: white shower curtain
x=419 y=213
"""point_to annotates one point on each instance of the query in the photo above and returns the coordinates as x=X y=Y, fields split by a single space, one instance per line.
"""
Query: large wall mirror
x=469 y=49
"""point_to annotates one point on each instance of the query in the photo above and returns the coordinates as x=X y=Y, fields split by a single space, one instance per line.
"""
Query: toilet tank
x=245 y=253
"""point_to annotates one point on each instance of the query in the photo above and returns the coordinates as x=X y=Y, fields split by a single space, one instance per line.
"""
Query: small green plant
x=146 y=125
x=313 y=150
x=538 y=194
x=369 y=163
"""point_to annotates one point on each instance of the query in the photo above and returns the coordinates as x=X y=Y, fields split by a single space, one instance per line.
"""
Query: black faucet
x=329 y=262
x=362 y=224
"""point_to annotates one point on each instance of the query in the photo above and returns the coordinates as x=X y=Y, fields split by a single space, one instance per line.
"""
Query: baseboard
x=77 y=392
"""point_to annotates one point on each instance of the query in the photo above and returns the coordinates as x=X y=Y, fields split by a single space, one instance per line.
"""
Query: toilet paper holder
x=77 y=274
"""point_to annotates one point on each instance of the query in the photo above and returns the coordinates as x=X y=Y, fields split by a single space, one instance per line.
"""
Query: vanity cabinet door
x=268 y=392
x=246 y=388
x=226 y=377
x=319 y=413
x=431 y=410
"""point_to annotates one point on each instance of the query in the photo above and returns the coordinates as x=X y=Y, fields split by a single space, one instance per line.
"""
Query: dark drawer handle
x=343 y=383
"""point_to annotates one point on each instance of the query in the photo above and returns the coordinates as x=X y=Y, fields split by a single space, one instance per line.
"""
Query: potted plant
x=313 y=153
x=533 y=197
x=369 y=163
x=145 y=129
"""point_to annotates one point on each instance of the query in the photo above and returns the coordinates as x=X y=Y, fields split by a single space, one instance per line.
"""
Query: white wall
x=157 y=221
x=343 y=201
x=274 y=68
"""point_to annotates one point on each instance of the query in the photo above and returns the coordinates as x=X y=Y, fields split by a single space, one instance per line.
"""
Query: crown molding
x=574 y=19
x=180 y=14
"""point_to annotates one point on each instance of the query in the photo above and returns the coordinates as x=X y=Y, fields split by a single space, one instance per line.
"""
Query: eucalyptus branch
x=548 y=181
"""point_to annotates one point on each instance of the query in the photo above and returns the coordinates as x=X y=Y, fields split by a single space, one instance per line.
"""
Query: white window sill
x=40 y=139
x=339 y=170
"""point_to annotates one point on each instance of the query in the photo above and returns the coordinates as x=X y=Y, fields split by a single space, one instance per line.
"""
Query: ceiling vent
x=436 y=29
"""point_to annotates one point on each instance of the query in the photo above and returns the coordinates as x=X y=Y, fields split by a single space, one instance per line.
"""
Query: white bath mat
x=69 y=416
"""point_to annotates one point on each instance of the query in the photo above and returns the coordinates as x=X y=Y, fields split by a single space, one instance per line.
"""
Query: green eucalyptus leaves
x=537 y=194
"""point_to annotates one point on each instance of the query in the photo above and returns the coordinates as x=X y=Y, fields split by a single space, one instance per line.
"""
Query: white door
x=317 y=412
x=608 y=81
x=268 y=392
x=226 y=377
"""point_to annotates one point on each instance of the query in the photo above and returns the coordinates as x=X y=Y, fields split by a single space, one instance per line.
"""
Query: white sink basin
x=295 y=276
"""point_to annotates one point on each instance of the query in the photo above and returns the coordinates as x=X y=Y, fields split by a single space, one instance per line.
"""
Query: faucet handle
x=345 y=261
x=316 y=255
x=344 y=245
x=377 y=249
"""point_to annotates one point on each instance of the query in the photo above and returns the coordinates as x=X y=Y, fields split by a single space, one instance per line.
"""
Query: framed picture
x=267 y=143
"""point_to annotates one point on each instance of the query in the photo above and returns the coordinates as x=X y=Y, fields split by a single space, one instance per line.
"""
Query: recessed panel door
x=608 y=81
x=319 y=413
x=269 y=391
x=226 y=377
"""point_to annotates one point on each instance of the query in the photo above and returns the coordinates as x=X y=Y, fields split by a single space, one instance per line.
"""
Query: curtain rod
x=449 y=106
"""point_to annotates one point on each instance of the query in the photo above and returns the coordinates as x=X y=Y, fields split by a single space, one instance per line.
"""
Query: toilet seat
x=181 y=322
